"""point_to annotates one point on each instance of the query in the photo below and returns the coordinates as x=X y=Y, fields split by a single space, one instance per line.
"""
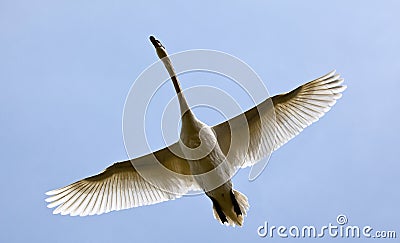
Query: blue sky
x=66 y=68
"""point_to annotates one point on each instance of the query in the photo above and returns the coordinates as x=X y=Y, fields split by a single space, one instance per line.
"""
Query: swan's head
x=160 y=49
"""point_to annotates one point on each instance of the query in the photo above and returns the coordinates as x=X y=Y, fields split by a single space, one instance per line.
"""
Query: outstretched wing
x=123 y=186
x=276 y=120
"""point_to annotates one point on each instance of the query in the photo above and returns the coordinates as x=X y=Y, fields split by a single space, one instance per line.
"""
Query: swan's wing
x=122 y=186
x=276 y=120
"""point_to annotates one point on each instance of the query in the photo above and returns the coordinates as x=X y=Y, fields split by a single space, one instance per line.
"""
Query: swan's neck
x=183 y=105
x=186 y=113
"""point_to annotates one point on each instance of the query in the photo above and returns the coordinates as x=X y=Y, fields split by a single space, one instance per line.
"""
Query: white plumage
x=267 y=126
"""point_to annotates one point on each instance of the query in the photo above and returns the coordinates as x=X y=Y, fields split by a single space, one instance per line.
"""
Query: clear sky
x=66 y=68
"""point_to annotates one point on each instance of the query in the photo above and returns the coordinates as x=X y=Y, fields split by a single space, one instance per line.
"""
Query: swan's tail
x=231 y=211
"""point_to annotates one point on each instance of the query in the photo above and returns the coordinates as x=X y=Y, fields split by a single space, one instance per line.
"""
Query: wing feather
x=122 y=186
x=276 y=120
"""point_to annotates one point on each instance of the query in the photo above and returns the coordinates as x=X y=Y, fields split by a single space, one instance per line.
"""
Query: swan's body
x=205 y=152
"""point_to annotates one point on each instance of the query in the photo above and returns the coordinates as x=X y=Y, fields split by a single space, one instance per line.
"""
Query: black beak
x=156 y=43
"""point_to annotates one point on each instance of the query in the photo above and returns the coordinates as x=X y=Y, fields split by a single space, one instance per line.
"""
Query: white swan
x=121 y=186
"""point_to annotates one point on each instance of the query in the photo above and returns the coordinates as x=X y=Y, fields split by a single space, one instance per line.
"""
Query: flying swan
x=205 y=157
